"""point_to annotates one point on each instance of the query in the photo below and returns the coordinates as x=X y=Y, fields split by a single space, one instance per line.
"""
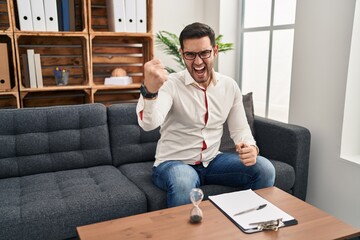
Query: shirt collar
x=189 y=80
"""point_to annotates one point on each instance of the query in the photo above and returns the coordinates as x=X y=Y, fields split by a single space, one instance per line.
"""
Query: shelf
x=66 y=51
x=56 y=97
x=129 y=53
x=98 y=21
x=81 y=22
x=115 y=95
x=119 y=87
x=9 y=100
x=5 y=20
x=90 y=53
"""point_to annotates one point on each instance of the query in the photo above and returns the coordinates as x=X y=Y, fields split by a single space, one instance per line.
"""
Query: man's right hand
x=154 y=75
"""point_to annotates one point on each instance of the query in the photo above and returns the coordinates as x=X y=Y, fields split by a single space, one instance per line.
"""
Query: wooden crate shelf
x=112 y=96
x=98 y=20
x=5 y=19
x=108 y=53
x=65 y=51
x=91 y=53
x=9 y=100
x=53 y=98
x=81 y=18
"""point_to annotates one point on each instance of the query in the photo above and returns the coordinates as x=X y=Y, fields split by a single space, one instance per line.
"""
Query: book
x=38 y=70
x=31 y=64
x=25 y=70
x=118 y=81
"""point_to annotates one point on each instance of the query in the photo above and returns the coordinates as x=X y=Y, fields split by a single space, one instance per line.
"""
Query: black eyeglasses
x=192 y=55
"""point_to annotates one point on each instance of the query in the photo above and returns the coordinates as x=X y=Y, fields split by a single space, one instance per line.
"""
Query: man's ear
x=216 y=50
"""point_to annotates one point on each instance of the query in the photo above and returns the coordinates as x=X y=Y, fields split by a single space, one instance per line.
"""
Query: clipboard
x=268 y=218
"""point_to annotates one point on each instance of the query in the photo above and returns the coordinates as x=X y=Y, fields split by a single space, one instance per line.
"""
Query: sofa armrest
x=286 y=143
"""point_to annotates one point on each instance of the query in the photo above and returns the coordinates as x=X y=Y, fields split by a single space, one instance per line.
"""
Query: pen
x=251 y=209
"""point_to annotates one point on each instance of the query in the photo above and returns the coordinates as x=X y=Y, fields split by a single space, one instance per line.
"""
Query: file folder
x=267 y=218
x=141 y=23
x=25 y=16
x=51 y=16
x=38 y=71
x=116 y=15
x=72 y=15
x=65 y=15
x=130 y=11
x=4 y=68
x=31 y=65
x=38 y=15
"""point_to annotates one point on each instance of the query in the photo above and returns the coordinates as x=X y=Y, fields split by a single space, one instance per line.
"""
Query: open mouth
x=200 y=71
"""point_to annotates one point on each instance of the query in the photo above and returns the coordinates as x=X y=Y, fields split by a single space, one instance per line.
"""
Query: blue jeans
x=178 y=178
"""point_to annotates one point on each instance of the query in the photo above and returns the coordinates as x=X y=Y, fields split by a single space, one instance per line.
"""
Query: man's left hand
x=247 y=153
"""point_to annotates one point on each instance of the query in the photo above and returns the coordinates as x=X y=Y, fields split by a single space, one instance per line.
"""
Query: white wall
x=322 y=42
x=320 y=64
x=173 y=16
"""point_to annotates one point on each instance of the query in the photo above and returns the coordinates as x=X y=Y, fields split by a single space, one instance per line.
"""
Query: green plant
x=169 y=43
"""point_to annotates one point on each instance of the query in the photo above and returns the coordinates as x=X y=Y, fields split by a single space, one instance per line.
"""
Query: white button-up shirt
x=192 y=118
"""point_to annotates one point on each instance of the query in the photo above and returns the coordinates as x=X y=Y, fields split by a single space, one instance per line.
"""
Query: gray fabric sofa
x=68 y=166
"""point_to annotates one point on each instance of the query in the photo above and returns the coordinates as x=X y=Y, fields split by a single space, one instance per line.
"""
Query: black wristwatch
x=144 y=92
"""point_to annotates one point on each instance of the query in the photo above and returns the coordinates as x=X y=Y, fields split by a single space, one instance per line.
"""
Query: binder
x=65 y=15
x=38 y=71
x=31 y=64
x=72 y=15
x=59 y=14
x=38 y=15
x=51 y=16
x=116 y=15
x=141 y=23
x=25 y=16
x=242 y=208
x=130 y=10
x=4 y=68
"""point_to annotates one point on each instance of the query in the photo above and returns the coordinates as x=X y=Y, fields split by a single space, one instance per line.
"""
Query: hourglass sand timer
x=196 y=196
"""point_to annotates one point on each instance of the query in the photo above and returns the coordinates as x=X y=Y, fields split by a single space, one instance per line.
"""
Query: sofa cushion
x=129 y=142
x=141 y=175
x=52 y=205
x=285 y=175
x=48 y=139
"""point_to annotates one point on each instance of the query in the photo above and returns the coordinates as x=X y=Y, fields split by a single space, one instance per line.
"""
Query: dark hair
x=197 y=30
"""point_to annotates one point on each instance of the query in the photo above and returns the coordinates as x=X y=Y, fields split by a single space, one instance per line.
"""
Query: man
x=191 y=107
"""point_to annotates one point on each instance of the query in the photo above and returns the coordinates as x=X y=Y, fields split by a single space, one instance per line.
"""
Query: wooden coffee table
x=173 y=223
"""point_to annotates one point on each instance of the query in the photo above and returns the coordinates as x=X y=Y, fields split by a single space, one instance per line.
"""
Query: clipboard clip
x=272 y=225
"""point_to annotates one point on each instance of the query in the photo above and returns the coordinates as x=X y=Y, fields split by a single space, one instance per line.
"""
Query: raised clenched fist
x=155 y=75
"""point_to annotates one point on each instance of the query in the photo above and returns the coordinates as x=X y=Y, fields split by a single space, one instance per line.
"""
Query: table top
x=173 y=223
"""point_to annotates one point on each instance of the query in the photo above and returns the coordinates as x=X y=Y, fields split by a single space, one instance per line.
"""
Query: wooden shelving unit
x=91 y=52
x=9 y=98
